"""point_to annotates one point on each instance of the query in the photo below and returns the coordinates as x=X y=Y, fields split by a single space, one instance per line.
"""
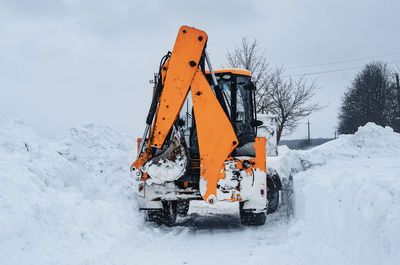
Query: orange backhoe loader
x=200 y=139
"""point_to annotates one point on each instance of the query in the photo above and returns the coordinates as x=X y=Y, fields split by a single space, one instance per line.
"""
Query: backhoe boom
x=217 y=138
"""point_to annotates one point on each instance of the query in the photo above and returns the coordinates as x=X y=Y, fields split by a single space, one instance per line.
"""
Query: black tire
x=155 y=216
x=182 y=207
x=273 y=200
x=169 y=213
x=247 y=217
x=166 y=215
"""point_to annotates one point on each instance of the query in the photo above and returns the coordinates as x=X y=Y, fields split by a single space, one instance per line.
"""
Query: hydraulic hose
x=157 y=94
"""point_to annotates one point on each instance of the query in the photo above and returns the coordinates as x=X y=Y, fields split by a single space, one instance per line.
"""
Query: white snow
x=71 y=201
x=55 y=211
x=166 y=170
x=268 y=130
x=170 y=165
x=103 y=153
x=349 y=198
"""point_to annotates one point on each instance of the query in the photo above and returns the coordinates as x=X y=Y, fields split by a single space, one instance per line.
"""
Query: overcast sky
x=63 y=63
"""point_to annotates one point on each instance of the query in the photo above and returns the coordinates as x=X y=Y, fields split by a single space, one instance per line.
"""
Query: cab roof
x=235 y=71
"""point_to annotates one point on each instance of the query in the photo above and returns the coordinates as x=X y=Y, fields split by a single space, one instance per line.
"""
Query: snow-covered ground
x=71 y=201
x=349 y=196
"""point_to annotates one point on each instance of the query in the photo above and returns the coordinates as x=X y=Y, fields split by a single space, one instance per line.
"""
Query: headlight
x=136 y=173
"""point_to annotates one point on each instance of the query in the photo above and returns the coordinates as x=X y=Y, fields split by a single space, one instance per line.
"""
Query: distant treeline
x=302 y=144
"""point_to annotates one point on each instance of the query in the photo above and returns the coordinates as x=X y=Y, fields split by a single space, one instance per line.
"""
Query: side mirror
x=249 y=86
x=256 y=123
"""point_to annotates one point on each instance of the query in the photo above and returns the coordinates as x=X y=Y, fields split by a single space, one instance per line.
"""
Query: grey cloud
x=67 y=62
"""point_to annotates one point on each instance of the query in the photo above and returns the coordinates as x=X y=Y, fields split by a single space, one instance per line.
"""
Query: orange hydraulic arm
x=216 y=136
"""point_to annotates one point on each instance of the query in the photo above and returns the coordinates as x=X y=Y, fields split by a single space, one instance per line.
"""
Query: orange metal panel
x=182 y=65
x=261 y=154
x=216 y=136
x=235 y=71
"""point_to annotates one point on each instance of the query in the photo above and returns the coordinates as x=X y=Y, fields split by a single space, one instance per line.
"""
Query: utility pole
x=309 y=139
x=398 y=88
x=398 y=99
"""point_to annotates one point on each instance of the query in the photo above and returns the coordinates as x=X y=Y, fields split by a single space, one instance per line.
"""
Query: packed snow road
x=211 y=236
x=70 y=201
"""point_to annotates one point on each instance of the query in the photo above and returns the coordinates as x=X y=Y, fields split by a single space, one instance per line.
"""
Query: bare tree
x=291 y=101
x=288 y=99
x=249 y=56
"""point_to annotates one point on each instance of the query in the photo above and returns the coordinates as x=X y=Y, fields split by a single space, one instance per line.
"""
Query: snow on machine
x=200 y=139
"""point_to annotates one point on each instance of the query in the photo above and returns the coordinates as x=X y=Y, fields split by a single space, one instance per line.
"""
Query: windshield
x=238 y=102
x=225 y=87
x=244 y=111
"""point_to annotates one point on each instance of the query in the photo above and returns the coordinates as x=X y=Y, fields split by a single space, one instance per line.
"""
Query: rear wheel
x=249 y=217
x=273 y=200
x=274 y=185
x=155 y=216
x=182 y=207
x=169 y=213
x=166 y=215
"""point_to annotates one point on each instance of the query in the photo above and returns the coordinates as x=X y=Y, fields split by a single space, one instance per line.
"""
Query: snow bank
x=22 y=150
x=286 y=164
x=103 y=153
x=268 y=130
x=71 y=202
x=348 y=196
x=370 y=141
x=51 y=211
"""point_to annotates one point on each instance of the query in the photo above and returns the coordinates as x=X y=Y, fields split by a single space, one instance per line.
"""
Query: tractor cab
x=236 y=94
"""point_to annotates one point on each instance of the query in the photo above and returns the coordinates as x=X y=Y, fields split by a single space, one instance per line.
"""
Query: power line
x=344 y=61
x=323 y=72
x=329 y=71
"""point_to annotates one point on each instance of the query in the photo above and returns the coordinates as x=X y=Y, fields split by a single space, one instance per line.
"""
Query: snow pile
x=50 y=211
x=268 y=130
x=370 y=141
x=71 y=202
x=23 y=151
x=348 y=197
x=103 y=153
x=286 y=164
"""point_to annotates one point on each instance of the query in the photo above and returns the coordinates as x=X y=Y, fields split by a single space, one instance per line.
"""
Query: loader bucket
x=170 y=164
